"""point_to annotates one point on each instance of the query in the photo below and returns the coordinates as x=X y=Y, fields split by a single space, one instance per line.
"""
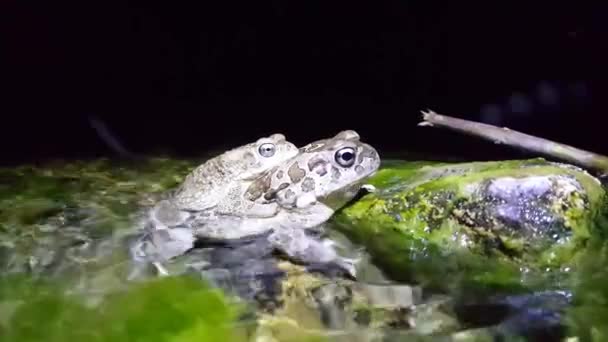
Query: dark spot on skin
x=335 y=173
x=217 y=166
x=249 y=161
x=308 y=184
x=359 y=169
x=280 y=174
x=289 y=194
x=321 y=171
x=249 y=157
x=296 y=173
x=257 y=188
x=317 y=165
x=272 y=193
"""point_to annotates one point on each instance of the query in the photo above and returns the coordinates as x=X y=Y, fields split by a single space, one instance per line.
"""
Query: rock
x=537 y=316
x=506 y=224
x=391 y=296
x=60 y=217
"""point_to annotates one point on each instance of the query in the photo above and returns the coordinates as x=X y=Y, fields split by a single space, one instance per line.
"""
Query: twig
x=108 y=138
x=503 y=135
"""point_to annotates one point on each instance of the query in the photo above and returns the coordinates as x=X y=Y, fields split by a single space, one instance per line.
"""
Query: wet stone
x=537 y=315
x=391 y=296
x=259 y=279
x=252 y=280
x=221 y=278
x=233 y=256
x=332 y=300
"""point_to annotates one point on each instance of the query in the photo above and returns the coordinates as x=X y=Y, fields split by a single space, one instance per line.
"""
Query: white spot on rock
x=506 y=188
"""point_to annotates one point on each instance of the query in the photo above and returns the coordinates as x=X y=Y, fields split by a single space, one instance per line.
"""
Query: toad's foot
x=162 y=271
x=349 y=264
x=369 y=188
x=302 y=248
x=341 y=267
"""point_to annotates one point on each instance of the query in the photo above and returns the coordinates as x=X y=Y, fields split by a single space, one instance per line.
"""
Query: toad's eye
x=267 y=150
x=345 y=156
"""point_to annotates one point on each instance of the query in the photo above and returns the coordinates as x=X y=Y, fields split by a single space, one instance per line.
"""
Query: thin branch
x=108 y=138
x=503 y=135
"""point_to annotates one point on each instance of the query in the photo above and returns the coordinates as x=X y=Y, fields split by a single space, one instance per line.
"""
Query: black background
x=185 y=78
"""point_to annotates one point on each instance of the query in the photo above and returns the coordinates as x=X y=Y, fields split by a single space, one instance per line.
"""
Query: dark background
x=185 y=78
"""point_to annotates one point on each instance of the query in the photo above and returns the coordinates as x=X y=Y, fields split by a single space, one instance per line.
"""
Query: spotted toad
x=296 y=194
x=203 y=190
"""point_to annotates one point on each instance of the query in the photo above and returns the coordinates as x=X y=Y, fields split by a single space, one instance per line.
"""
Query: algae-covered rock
x=312 y=305
x=59 y=219
x=498 y=224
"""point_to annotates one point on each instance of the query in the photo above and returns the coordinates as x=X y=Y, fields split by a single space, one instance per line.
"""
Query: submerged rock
x=340 y=309
x=72 y=220
x=496 y=224
x=537 y=316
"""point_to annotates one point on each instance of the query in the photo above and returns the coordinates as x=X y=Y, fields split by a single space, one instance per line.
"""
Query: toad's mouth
x=339 y=198
x=337 y=203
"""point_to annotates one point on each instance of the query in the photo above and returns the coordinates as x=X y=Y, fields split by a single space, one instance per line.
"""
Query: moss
x=288 y=330
x=55 y=205
x=427 y=221
x=588 y=315
x=169 y=309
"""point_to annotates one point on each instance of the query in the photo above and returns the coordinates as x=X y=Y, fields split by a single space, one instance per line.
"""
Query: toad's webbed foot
x=321 y=255
x=333 y=270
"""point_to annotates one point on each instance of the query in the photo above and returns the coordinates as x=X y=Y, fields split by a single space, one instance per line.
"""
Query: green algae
x=586 y=318
x=168 y=309
x=51 y=206
x=426 y=223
